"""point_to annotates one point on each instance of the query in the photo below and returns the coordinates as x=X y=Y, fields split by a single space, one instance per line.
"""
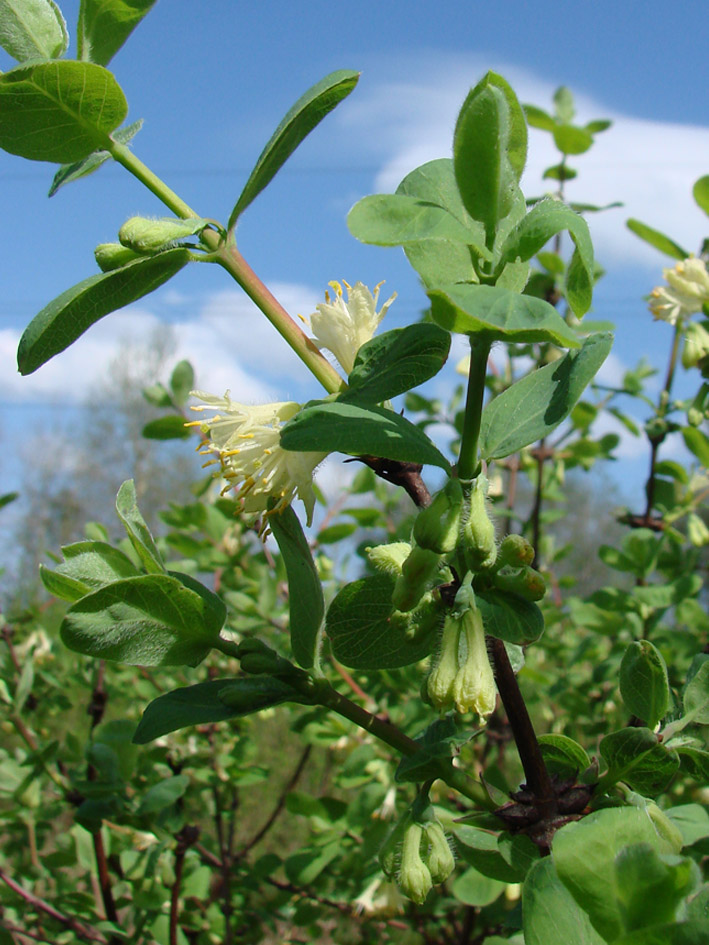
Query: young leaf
x=66 y=318
x=700 y=192
x=644 y=685
x=397 y=361
x=182 y=382
x=562 y=755
x=649 y=889
x=105 y=25
x=656 y=239
x=360 y=431
x=297 y=124
x=696 y=695
x=32 y=29
x=503 y=315
x=539 y=402
x=550 y=912
x=59 y=111
x=163 y=794
x=171 y=427
x=635 y=756
x=91 y=564
x=305 y=597
x=151 y=620
x=201 y=704
x=572 y=140
x=538 y=118
x=509 y=617
x=138 y=531
x=71 y=172
x=398 y=219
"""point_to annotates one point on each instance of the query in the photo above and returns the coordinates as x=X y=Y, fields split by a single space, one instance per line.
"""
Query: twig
x=185 y=839
x=85 y=932
x=16 y=930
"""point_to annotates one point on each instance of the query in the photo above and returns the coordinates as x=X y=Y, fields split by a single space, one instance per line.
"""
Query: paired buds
x=143 y=236
x=417 y=854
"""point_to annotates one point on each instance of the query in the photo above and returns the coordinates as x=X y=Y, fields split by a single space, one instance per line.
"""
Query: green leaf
x=696 y=695
x=534 y=406
x=138 y=531
x=61 y=586
x=481 y=849
x=151 y=620
x=66 y=318
x=398 y=219
x=600 y=124
x=692 y=821
x=7 y=497
x=562 y=755
x=489 y=151
x=700 y=192
x=656 y=239
x=644 y=685
x=163 y=794
x=32 y=29
x=474 y=889
x=538 y=118
x=503 y=315
x=695 y=762
x=105 y=25
x=564 y=104
x=305 y=596
x=693 y=932
x=584 y=854
x=59 y=111
x=698 y=443
x=397 y=361
x=360 y=431
x=297 y=124
x=366 y=634
x=551 y=913
x=509 y=617
x=636 y=757
x=650 y=889
x=71 y=172
x=533 y=232
x=182 y=381
x=171 y=427
x=201 y=704
x=572 y=140
x=438 y=743
x=89 y=565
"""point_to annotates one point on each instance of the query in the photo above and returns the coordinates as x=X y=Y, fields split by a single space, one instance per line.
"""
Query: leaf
x=71 y=172
x=201 y=704
x=696 y=695
x=656 y=239
x=397 y=220
x=305 y=596
x=32 y=29
x=171 y=427
x=695 y=762
x=700 y=192
x=538 y=118
x=692 y=821
x=562 y=755
x=151 y=620
x=397 y=361
x=437 y=744
x=550 y=913
x=535 y=405
x=365 y=633
x=649 y=889
x=572 y=140
x=481 y=849
x=163 y=794
x=533 y=232
x=698 y=443
x=182 y=381
x=59 y=111
x=635 y=756
x=138 y=531
x=66 y=318
x=503 y=315
x=308 y=111
x=359 y=431
x=489 y=151
x=105 y=25
x=644 y=685
x=509 y=617
x=693 y=932
x=474 y=889
x=92 y=564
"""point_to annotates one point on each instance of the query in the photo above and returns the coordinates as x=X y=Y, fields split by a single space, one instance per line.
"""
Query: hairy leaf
x=32 y=29
x=105 y=25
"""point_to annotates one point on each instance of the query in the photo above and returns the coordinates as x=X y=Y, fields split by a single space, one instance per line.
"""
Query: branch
x=406 y=475
x=185 y=839
x=84 y=932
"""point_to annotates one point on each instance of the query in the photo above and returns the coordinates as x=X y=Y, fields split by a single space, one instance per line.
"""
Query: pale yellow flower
x=342 y=327
x=246 y=440
x=687 y=291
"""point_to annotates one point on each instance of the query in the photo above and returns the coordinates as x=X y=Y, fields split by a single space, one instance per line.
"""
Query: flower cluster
x=687 y=291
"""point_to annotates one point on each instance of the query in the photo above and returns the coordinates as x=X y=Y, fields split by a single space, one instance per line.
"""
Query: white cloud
x=649 y=165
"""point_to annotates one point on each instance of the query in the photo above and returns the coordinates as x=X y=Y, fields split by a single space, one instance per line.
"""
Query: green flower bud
x=389 y=558
x=416 y=576
x=696 y=344
x=147 y=236
x=525 y=582
x=664 y=827
x=697 y=530
x=479 y=548
x=256 y=657
x=414 y=876
x=440 y=682
x=110 y=256
x=439 y=859
x=474 y=684
x=515 y=551
x=390 y=853
x=437 y=526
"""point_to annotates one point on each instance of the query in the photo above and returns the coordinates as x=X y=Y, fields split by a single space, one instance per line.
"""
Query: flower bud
x=389 y=855
x=440 y=682
x=515 y=551
x=147 y=236
x=436 y=527
x=439 y=859
x=696 y=344
x=414 y=876
x=664 y=827
x=474 y=684
x=479 y=548
x=110 y=256
x=389 y=558
x=416 y=577
x=525 y=582
x=697 y=530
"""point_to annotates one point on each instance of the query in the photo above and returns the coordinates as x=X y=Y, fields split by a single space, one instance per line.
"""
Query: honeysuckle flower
x=474 y=684
x=342 y=327
x=246 y=441
x=686 y=292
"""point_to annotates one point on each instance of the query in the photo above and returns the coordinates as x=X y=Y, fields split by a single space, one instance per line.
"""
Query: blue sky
x=213 y=79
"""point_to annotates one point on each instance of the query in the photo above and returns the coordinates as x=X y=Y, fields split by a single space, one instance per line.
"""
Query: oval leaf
x=635 y=756
x=551 y=913
x=105 y=25
x=338 y=427
x=537 y=404
x=32 y=29
x=59 y=111
x=656 y=239
x=171 y=427
x=644 y=685
x=308 y=111
x=502 y=314
x=151 y=620
x=137 y=529
x=700 y=192
x=70 y=172
x=509 y=617
x=65 y=319
x=562 y=755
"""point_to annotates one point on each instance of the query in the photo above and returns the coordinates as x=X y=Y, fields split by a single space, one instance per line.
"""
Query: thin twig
x=185 y=839
x=85 y=932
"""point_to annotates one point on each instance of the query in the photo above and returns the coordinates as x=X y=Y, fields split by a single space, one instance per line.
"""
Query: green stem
x=468 y=464
x=661 y=411
x=228 y=256
x=227 y=647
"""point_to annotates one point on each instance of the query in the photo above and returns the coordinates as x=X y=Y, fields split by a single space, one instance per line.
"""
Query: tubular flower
x=474 y=684
x=687 y=291
x=246 y=440
x=343 y=327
